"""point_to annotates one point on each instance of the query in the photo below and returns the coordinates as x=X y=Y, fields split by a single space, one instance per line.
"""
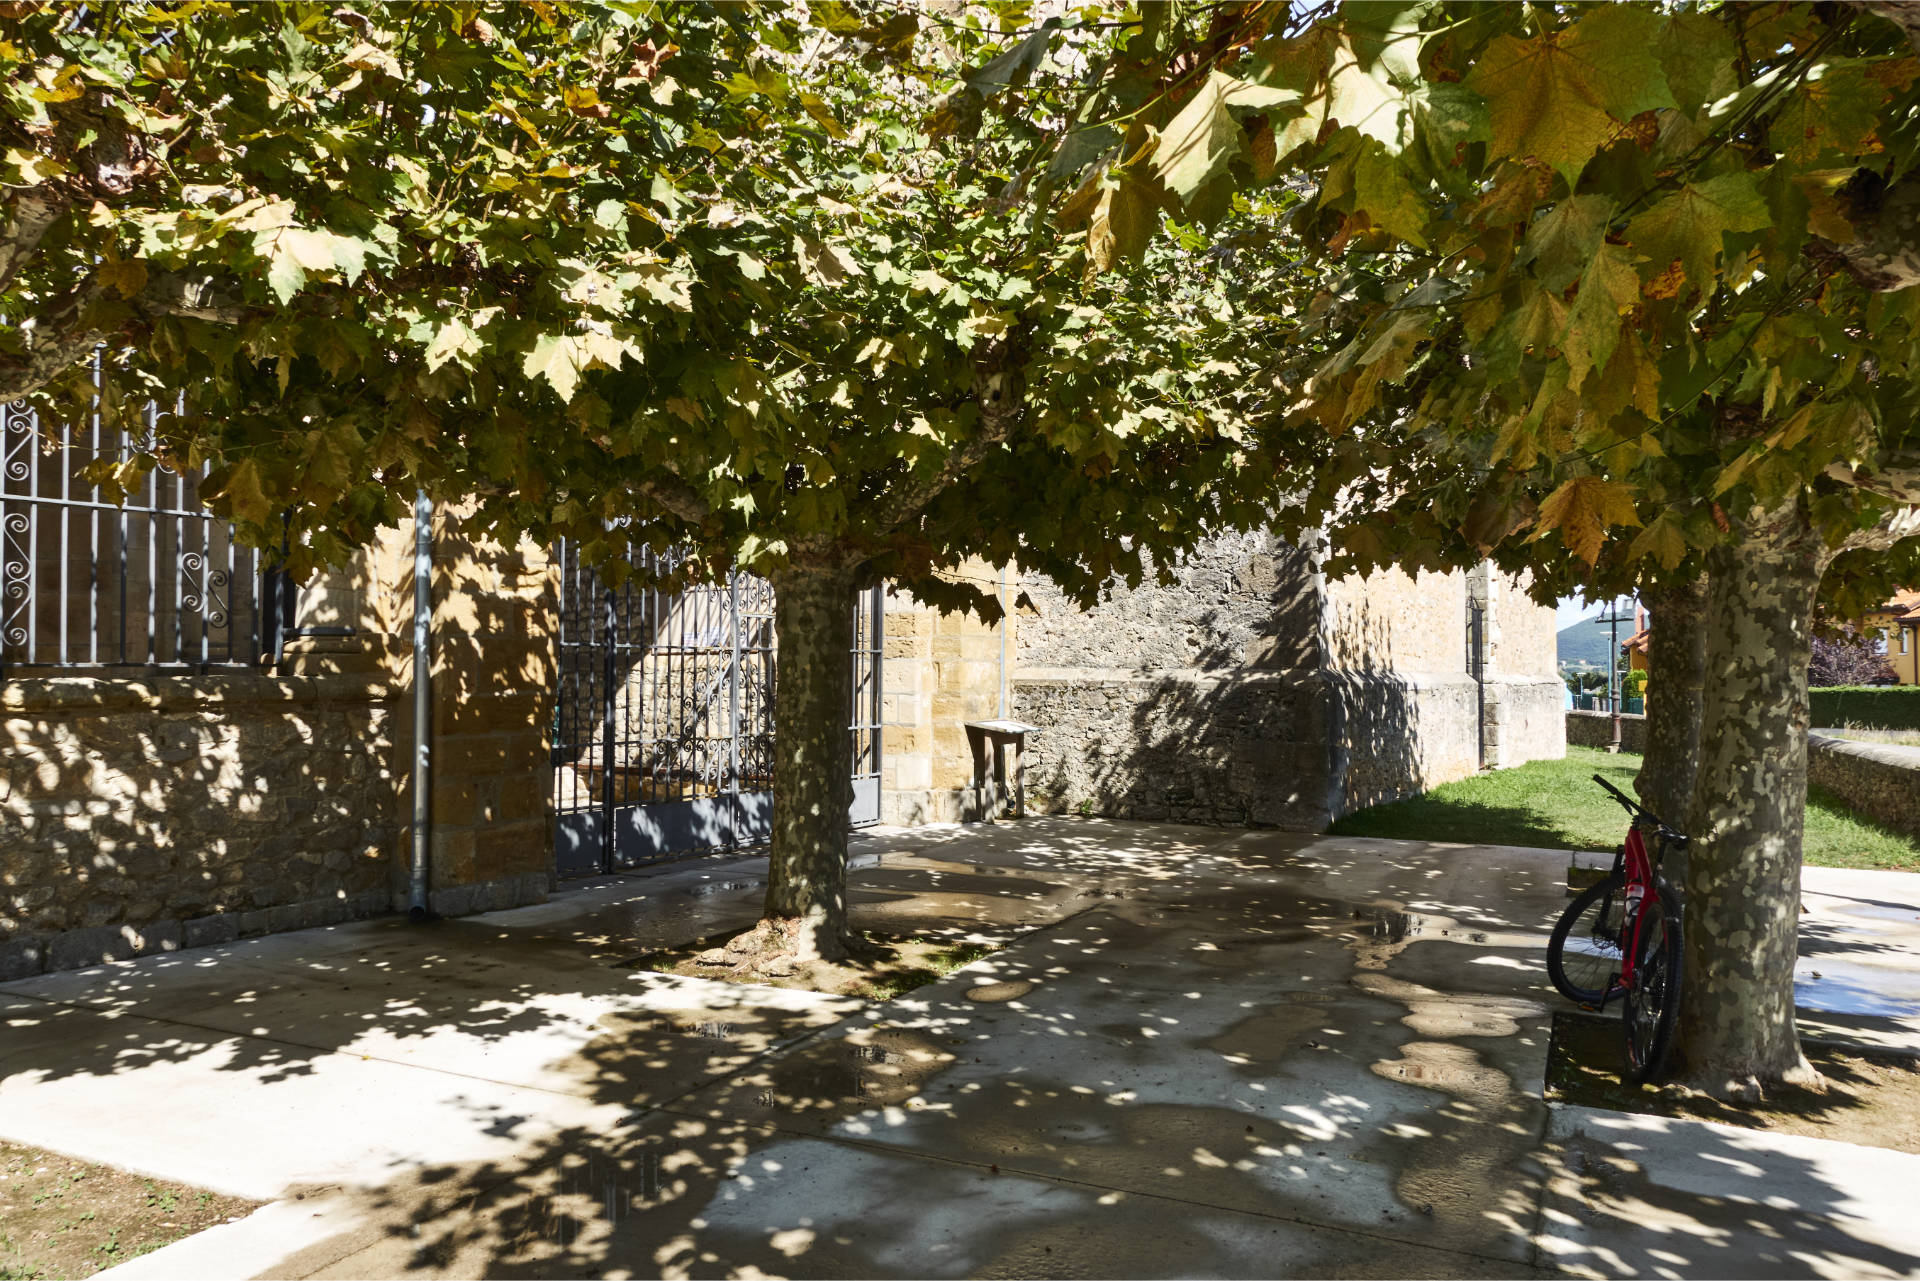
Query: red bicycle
x=1620 y=939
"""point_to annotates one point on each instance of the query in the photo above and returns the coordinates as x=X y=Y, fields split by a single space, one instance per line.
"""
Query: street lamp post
x=1613 y=618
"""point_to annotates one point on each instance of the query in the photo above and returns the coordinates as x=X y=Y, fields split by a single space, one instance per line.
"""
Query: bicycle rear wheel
x=1583 y=955
x=1652 y=1003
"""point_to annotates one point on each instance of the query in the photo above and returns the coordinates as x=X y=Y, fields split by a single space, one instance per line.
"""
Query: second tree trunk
x=1676 y=667
x=1737 y=1031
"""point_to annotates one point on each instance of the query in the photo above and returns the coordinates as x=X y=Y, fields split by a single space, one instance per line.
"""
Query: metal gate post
x=608 y=665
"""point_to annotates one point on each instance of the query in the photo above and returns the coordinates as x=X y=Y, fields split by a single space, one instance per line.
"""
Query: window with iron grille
x=158 y=582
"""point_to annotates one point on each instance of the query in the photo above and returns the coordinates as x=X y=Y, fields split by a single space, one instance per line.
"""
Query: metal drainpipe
x=422 y=700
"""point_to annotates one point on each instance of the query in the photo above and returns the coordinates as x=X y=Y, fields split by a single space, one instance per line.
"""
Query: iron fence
x=155 y=582
x=663 y=716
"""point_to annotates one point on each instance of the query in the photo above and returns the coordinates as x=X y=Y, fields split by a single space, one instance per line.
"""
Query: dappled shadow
x=1288 y=729
x=1235 y=1053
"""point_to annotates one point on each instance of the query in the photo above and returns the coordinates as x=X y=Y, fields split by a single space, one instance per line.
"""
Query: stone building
x=196 y=753
x=1252 y=691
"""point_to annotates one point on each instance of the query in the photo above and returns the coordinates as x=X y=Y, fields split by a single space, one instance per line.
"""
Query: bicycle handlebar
x=1638 y=810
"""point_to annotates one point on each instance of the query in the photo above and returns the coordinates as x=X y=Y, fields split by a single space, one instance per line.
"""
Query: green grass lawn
x=1557 y=805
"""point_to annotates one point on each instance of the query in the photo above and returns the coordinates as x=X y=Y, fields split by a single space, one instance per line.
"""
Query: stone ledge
x=1881 y=780
x=154 y=693
x=23 y=957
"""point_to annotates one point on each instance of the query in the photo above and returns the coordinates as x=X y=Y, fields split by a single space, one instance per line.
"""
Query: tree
x=1848 y=659
x=352 y=240
x=1615 y=284
x=924 y=379
x=757 y=286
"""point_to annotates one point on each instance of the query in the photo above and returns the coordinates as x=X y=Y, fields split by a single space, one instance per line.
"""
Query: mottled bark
x=813 y=763
x=1676 y=664
x=1737 y=1032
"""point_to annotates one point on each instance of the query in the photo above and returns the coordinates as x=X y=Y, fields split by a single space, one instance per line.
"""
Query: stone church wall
x=147 y=812
x=1252 y=690
x=1198 y=701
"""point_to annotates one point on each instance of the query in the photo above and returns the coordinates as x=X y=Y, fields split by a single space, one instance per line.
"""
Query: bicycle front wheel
x=1652 y=1004
x=1583 y=955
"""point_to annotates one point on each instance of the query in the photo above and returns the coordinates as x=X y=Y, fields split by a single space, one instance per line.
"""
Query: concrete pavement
x=1206 y=1053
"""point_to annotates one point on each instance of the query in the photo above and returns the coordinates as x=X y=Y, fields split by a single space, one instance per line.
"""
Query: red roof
x=1638 y=641
x=1904 y=604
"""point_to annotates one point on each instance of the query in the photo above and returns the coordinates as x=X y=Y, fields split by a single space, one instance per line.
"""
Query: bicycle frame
x=1639 y=876
x=1638 y=869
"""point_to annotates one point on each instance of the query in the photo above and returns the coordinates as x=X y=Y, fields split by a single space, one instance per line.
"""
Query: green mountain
x=1585 y=643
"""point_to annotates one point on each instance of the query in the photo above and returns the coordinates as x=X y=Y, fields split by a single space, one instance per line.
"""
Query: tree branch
x=34 y=212
x=1899 y=480
x=678 y=500
x=1901 y=523
x=999 y=381
x=46 y=360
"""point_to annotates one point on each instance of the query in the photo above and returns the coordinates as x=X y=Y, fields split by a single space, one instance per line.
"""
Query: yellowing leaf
x=1662 y=540
x=824 y=264
x=1123 y=222
x=1688 y=225
x=243 y=493
x=1560 y=95
x=370 y=58
x=1582 y=510
x=128 y=276
x=557 y=358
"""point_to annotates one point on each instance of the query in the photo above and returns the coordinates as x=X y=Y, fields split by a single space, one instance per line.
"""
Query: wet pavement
x=1205 y=1052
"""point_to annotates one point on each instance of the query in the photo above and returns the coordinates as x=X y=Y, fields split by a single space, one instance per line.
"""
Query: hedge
x=1866 y=706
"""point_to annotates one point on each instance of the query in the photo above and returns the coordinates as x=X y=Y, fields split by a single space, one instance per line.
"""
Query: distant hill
x=1585 y=642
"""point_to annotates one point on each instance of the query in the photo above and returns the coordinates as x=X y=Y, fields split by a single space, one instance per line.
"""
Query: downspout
x=422 y=701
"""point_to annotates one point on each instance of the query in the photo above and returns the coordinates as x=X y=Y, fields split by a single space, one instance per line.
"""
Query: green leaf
x=1561 y=241
x=1663 y=540
x=1199 y=143
x=1562 y=94
x=1687 y=227
x=556 y=358
x=1016 y=65
x=452 y=341
x=1609 y=288
x=1382 y=191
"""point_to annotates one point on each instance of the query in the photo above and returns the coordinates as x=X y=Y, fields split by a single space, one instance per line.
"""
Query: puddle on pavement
x=707 y=888
x=1259 y=1044
x=877 y=1067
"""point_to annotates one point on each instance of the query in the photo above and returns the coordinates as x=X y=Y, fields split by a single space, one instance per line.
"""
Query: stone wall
x=146 y=813
x=1251 y=690
x=939 y=671
x=1239 y=749
x=493 y=682
x=1595 y=729
x=1881 y=780
x=143 y=815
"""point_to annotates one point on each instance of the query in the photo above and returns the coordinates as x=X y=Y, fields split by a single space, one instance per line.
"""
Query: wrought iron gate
x=663 y=718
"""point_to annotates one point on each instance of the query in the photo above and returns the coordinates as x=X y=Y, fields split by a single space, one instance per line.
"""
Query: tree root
x=1750 y=1089
x=778 y=946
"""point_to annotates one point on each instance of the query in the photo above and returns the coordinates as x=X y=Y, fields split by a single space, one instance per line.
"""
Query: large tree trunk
x=1737 y=1033
x=806 y=902
x=1676 y=665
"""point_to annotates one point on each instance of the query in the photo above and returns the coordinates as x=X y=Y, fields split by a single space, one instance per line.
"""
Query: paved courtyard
x=1205 y=1053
